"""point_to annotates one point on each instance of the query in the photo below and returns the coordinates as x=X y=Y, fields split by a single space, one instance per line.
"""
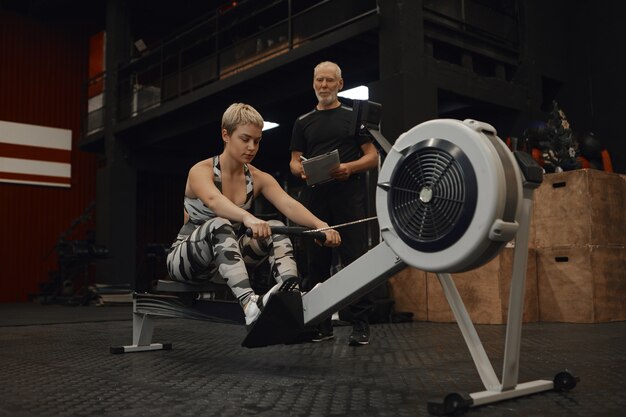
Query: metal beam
x=346 y=286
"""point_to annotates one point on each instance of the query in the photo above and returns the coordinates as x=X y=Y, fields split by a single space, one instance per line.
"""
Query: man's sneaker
x=324 y=331
x=360 y=334
x=322 y=336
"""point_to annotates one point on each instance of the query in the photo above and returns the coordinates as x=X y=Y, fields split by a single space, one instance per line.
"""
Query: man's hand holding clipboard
x=320 y=169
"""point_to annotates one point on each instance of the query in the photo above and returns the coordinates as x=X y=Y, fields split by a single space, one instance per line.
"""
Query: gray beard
x=325 y=101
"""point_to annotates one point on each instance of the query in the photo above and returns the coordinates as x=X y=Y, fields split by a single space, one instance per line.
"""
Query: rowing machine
x=450 y=196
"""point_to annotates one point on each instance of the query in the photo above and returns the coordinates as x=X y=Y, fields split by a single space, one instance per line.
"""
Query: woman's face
x=243 y=142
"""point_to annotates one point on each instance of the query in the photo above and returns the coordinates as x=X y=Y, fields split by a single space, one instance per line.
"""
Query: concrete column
x=408 y=97
x=117 y=179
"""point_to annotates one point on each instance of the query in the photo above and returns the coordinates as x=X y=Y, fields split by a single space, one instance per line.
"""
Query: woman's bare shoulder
x=198 y=174
x=204 y=164
x=256 y=172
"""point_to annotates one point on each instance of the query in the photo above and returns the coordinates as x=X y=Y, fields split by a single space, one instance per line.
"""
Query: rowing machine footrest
x=280 y=322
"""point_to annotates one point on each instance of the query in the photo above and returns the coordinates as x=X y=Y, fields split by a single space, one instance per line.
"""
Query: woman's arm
x=290 y=207
x=200 y=184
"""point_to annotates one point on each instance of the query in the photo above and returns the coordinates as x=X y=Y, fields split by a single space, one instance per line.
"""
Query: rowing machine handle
x=292 y=230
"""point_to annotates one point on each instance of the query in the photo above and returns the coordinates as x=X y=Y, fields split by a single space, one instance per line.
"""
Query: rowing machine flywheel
x=449 y=195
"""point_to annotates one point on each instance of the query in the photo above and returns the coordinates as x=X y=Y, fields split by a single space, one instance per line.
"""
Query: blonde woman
x=218 y=196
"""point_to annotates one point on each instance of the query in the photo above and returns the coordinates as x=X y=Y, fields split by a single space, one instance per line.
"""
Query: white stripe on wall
x=31 y=135
x=53 y=184
x=29 y=166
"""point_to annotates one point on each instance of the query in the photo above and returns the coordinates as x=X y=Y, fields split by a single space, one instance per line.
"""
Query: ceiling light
x=357 y=93
x=269 y=125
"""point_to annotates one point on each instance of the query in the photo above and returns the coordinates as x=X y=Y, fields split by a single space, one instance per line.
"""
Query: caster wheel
x=116 y=350
x=565 y=381
x=454 y=404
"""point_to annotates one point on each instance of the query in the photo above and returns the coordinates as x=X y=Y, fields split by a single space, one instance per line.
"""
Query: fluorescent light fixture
x=357 y=93
x=269 y=125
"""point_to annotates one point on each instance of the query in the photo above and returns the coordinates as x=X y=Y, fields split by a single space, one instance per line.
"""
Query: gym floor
x=55 y=361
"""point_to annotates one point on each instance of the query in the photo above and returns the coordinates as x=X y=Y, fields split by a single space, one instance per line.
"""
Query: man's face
x=326 y=84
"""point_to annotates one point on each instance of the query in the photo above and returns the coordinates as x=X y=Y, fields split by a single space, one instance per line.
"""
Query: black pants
x=338 y=202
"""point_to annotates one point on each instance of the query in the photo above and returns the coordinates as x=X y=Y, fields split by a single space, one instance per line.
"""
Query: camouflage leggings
x=213 y=251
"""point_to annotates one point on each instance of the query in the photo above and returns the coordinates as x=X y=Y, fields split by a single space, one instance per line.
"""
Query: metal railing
x=94 y=121
x=224 y=44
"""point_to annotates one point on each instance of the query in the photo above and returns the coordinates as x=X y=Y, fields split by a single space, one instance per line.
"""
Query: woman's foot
x=253 y=308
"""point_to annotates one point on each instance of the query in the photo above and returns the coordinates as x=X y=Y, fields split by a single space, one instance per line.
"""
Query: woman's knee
x=217 y=227
x=220 y=223
x=278 y=239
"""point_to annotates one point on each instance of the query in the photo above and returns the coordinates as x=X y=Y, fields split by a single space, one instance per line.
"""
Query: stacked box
x=583 y=207
x=580 y=236
x=408 y=290
x=485 y=291
x=582 y=284
x=576 y=264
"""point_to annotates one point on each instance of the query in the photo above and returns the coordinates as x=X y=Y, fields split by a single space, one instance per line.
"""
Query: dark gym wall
x=570 y=52
x=41 y=73
x=596 y=60
x=575 y=55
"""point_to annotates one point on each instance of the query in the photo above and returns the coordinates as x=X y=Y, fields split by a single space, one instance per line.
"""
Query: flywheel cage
x=432 y=197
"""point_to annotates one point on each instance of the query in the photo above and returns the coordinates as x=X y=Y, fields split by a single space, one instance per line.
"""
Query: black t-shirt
x=322 y=131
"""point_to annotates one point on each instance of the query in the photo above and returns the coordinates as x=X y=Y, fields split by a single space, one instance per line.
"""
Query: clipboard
x=317 y=169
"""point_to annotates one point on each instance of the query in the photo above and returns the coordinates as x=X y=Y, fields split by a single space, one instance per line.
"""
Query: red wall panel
x=42 y=73
x=96 y=63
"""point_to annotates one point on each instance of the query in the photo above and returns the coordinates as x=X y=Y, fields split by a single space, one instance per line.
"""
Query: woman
x=218 y=194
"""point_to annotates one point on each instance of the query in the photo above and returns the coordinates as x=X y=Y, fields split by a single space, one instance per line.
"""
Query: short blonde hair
x=238 y=114
x=328 y=63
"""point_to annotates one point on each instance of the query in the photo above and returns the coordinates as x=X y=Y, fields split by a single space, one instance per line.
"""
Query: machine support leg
x=509 y=388
x=510 y=365
x=143 y=328
x=475 y=346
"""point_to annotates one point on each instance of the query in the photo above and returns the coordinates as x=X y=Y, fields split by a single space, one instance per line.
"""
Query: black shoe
x=360 y=334
x=322 y=336
x=324 y=331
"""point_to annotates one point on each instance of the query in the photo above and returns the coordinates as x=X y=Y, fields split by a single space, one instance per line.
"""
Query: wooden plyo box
x=582 y=284
x=485 y=291
x=582 y=207
x=408 y=290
